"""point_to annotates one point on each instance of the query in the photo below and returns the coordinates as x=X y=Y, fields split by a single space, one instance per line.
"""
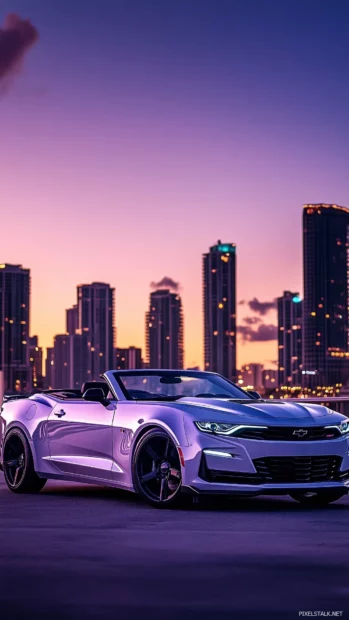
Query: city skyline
x=249 y=325
x=155 y=158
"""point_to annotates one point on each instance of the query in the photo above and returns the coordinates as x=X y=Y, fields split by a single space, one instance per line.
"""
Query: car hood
x=259 y=412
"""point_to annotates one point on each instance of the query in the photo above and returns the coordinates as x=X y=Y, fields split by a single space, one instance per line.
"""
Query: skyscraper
x=219 y=282
x=14 y=327
x=290 y=338
x=72 y=318
x=35 y=360
x=49 y=368
x=326 y=295
x=96 y=325
x=63 y=361
x=164 y=330
x=128 y=359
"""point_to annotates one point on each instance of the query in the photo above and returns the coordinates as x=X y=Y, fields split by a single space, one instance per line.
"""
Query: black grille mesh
x=298 y=468
x=285 y=433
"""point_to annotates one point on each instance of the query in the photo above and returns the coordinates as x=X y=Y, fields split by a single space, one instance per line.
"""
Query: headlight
x=344 y=427
x=220 y=428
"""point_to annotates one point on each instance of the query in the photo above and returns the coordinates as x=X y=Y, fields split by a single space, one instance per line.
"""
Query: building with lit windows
x=72 y=320
x=96 y=325
x=49 y=368
x=270 y=379
x=14 y=327
x=129 y=358
x=289 y=308
x=219 y=297
x=164 y=330
x=63 y=362
x=326 y=298
x=250 y=377
x=35 y=361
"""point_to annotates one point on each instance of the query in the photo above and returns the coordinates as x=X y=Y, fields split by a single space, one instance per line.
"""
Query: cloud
x=261 y=307
x=16 y=37
x=263 y=333
x=242 y=302
x=166 y=282
x=252 y=320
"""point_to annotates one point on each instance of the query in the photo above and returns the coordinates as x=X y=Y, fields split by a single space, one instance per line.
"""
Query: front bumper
x=227 y=465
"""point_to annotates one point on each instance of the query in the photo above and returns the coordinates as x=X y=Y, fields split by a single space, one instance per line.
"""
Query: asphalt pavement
x=86 y=552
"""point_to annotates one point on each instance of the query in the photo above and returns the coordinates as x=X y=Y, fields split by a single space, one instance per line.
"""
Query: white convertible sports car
x=160 y=433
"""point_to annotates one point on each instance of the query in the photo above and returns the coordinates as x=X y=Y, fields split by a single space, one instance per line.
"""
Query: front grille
x=298 y=468
x=292 y=433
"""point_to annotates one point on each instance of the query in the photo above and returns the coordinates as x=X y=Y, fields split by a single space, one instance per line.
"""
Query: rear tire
x=18 y=464
x=156 y=469
x=318 y=498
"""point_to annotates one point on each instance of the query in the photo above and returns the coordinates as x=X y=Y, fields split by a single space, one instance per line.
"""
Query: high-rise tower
x=326 y=295
x=164 y=330
x=219 y=282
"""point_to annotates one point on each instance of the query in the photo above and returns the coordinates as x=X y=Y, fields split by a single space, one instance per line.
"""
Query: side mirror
x=252 y=393
x=95 y=395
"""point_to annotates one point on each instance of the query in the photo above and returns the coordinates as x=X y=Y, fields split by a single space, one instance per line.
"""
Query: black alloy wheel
x=318 y=498
x=18 y=465
x=157 y=469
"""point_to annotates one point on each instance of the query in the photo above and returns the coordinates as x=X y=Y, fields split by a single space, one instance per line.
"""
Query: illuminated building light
x=220 y=306
x=296 y=299
x=313 y=314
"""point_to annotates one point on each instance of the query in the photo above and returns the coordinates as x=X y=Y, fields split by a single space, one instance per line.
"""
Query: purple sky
x=138 y=133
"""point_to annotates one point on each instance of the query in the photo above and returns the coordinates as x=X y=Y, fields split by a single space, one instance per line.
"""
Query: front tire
x=18 y=464
x=156 y=469
x=318 y=498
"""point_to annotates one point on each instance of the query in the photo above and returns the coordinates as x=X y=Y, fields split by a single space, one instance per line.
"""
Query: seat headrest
x=95 y=384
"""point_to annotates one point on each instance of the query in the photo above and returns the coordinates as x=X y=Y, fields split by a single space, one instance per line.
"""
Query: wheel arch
x=153 y=426
x=17 y=425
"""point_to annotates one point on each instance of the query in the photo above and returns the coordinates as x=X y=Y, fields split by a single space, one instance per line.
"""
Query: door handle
x=60 y=413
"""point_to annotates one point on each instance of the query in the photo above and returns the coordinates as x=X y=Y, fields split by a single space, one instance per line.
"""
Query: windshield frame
x=200 y=374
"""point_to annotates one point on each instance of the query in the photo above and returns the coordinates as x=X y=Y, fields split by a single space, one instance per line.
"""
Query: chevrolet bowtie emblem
x=300 y=432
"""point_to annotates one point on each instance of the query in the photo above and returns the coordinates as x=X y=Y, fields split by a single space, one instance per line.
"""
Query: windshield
x=172 y=385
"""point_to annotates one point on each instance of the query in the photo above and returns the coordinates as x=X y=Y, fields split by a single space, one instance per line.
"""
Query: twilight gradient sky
x=141 y=131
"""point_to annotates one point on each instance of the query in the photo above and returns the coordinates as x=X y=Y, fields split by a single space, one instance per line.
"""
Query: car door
x=80 y=438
